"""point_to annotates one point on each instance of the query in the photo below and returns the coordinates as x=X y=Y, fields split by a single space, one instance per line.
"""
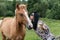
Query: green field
x=54 y=26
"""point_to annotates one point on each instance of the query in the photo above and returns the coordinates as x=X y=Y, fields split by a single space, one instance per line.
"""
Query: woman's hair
x=36 y=18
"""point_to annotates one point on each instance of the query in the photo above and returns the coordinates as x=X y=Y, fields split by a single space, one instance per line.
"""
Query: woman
x=40 y=27
x=34 y=18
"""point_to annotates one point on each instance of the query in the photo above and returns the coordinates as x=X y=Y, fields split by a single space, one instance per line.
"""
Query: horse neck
x=19 y=26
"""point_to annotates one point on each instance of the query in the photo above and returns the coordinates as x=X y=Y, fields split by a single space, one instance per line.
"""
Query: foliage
x=7 y=8
x=46 y=8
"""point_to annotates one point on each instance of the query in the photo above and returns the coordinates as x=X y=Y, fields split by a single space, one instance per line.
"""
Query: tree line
x=45 y=8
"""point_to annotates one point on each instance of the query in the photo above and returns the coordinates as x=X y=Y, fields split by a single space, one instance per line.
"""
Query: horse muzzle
x=30 y=27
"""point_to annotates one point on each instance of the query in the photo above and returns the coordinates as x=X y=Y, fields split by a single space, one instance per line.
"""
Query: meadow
x=54 y=26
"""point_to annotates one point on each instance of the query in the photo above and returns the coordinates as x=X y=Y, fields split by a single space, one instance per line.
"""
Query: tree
x=14 y=5
x=39 y=6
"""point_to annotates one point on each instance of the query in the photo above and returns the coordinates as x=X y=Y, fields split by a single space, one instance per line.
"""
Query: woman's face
x=32 y=17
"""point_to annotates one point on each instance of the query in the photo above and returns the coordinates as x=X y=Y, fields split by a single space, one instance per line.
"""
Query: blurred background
x=45 y=8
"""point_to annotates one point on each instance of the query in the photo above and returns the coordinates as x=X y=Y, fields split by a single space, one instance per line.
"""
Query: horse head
x=22 y=15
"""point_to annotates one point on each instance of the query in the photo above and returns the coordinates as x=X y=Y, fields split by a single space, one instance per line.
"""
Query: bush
x=7 y=8
x=9 y=13
x=54 y=13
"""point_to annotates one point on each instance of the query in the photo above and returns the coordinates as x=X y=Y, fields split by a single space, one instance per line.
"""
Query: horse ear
x=17 y=6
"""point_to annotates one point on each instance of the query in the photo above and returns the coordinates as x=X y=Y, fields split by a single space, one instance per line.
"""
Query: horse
x=15 y=28
x=41 y=29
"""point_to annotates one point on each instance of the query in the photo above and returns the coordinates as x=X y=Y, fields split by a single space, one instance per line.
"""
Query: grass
x=54 y=26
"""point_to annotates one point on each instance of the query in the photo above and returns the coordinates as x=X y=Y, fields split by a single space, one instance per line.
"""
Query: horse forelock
x=21 y=6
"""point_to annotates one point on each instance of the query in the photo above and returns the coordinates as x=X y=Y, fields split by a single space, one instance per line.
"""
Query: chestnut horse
x=15 y=28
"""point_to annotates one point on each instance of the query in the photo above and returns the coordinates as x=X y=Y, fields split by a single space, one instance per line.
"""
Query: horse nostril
x=29 y=28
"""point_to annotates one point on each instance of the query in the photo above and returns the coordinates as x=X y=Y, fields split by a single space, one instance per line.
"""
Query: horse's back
x=5 y=27
x=6 y=21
